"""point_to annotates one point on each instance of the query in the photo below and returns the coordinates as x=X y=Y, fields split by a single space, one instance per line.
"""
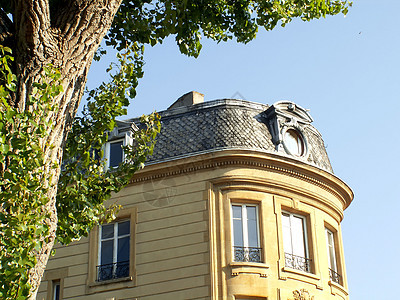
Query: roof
x=227 y=124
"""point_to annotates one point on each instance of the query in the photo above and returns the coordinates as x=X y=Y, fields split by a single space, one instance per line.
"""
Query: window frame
x=115 y=240
x=290 y=136
x=240 y=195
x=126 y=140
x=245 y=232
x=53 y=277
x=94 y=286
x=335 y=274
x=108 y=152
x=55 y=284
x=331 y=250
x=306 y=237
x=301 y=141
x=297 y=206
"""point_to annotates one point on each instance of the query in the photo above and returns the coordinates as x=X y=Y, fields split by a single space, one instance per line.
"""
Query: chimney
x=188 y=99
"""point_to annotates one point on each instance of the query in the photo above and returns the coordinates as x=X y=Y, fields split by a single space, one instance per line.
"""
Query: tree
x=48 y=46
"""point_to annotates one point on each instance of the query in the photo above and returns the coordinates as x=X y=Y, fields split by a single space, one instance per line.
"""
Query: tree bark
x=6 y=29
x=67 y=39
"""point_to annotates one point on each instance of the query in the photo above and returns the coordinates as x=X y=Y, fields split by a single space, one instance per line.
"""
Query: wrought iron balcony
x=250 y=254
x=298 y=262
x=112 y=271
x=335 y=277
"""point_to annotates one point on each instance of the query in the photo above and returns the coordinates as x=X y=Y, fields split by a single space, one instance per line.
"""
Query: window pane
x=123 y=249
x=253 y=236
x=332 y=263
x=116 y=154
x=237 y=225
x=287 y=240
x=298 y=236
x=251 y=213
x=252 y=226
x=106 y=252
x=107 y=231
x=331 y=250
x=56 y=290
x=237 y=211
x=238 y=233
x=330 y=238
x=291 y=142
x=294 y=142
x=123 y=228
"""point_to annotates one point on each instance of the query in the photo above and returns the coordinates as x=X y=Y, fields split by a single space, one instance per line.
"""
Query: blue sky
x=346 y=70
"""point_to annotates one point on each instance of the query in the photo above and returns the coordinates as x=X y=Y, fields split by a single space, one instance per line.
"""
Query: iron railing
x=250 y=254
x=335 y=277
x=112 y=271
x=298 y=262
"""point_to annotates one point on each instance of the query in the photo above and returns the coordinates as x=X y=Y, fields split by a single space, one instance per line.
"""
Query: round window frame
x=302 y=139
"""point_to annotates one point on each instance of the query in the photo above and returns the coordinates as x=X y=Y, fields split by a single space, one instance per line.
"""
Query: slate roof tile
x=224 y=124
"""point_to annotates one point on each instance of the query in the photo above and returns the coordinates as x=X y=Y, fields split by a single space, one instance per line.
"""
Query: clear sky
x=346 y=70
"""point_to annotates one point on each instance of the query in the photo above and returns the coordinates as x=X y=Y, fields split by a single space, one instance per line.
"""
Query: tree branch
x=32 y=26
x=76 y=20
x=81 y=25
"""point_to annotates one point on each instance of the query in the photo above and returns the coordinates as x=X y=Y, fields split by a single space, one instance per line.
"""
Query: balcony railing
x=248 y=254
x=335 y=277
x=112 y=271
x=298 y=262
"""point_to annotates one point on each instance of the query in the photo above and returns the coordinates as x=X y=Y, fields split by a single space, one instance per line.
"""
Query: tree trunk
x=68 y=41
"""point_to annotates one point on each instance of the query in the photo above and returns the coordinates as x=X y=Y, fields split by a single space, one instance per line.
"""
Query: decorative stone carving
x=302 y=294
x=283 y=116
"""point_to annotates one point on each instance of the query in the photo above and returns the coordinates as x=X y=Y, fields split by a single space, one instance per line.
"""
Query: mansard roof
x=231 y=124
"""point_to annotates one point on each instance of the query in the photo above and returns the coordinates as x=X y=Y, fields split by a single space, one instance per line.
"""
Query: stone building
x=238 y=201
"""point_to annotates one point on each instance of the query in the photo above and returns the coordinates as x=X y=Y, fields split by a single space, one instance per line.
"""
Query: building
x=238 y=201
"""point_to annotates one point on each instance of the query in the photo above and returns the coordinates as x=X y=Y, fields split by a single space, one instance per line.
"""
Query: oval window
x=293 y=142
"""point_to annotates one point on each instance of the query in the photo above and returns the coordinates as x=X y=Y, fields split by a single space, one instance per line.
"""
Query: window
x=115 y=153
x=246 y=241
x=55 y=282
x=56 y=290
x=295 y=242
x=114 y=251
x=293 y=142
x=332 y=263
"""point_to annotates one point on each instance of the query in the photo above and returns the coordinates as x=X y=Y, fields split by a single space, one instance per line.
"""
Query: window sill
x=302 y=273
x=239 y=267
x=335 y=287
x=109 y=285
x=111 y=281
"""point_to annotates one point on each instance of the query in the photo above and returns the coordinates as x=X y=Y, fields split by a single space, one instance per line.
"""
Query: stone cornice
x=249 y=159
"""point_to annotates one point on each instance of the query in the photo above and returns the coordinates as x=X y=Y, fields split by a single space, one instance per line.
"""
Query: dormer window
x=116 y=154
x=114 y=148
x=287 y=123
x=293 y=142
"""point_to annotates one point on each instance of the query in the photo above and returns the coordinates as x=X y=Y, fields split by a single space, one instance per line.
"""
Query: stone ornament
x=302 y=294
x=283 y=116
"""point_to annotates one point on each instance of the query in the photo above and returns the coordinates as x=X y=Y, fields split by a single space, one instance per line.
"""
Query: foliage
x=84 y=184
x=24 y=179
x=149 y=22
